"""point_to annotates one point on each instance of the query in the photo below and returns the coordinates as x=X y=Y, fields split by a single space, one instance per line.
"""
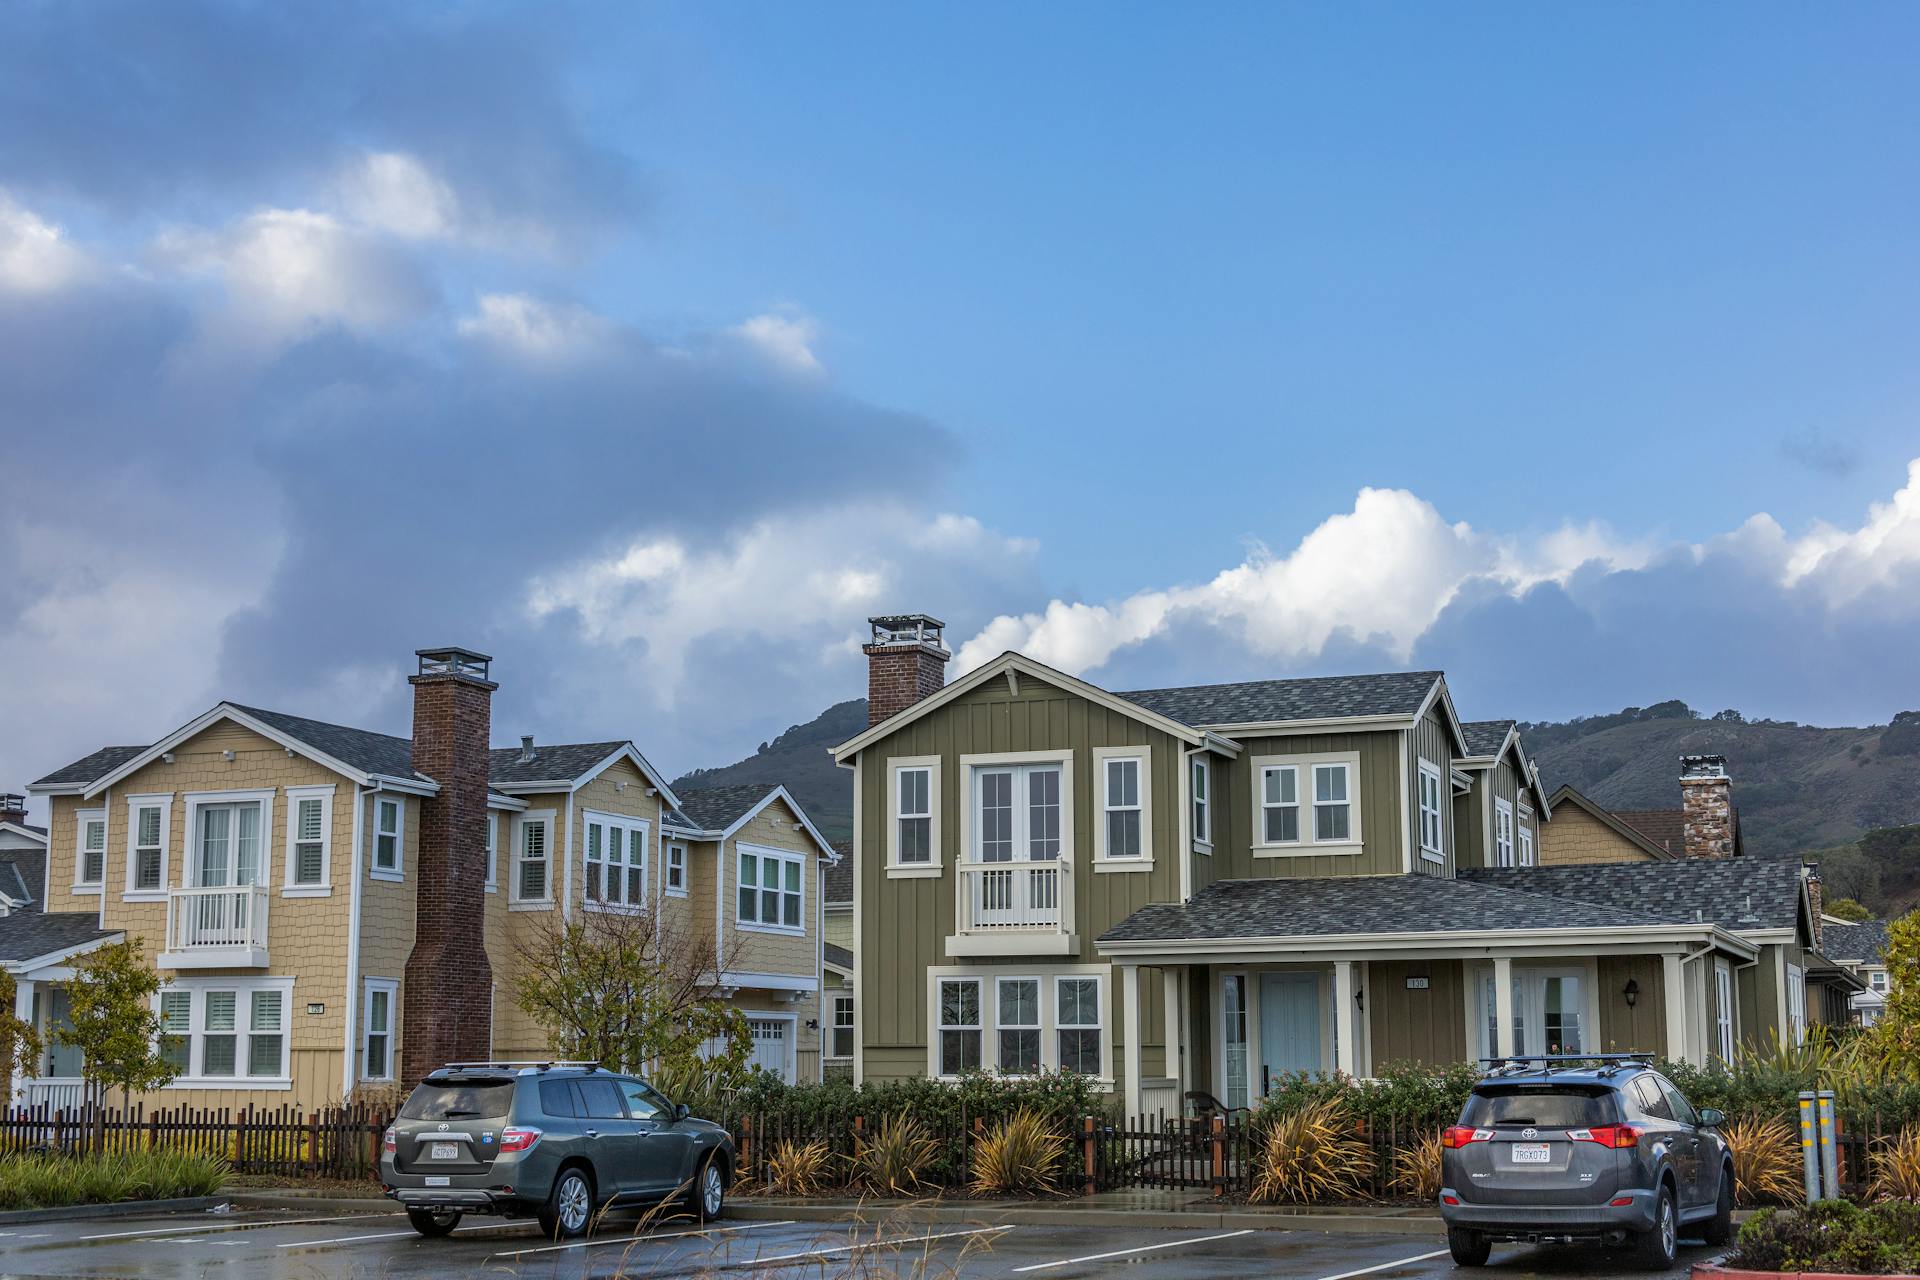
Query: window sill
x=307 y=891
x=1306 y=850
x=913 y=871
x=387 y=877
x=782 y=930
x=531 y=905
x=1122 y=864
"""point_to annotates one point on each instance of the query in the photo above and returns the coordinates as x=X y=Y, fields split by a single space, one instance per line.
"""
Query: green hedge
x=1833 y=1235
x=52 y=1181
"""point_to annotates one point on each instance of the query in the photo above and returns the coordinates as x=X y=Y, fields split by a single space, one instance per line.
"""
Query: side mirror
x=681 y=1111
x=1710 y=1118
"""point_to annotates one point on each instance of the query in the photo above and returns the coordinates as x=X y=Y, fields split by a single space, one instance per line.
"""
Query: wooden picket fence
x=284 y=1141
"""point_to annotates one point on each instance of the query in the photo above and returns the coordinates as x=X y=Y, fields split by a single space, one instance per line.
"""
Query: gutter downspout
x=353 y=936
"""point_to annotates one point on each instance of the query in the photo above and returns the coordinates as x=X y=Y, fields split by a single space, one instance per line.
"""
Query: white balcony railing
x=1012 y=895
x=214 y=926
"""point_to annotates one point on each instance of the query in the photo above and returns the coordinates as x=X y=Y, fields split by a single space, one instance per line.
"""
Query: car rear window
x=459 y=1100
x=1538 y=1107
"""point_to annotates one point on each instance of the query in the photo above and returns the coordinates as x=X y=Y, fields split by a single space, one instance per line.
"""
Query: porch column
x=1503 y=1007
x=1674 y=993
x=1130 y=1011
x=1173 y=979
x=1346 y=1028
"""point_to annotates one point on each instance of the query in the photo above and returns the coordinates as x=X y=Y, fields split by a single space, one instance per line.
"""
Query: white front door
x=770 y=1039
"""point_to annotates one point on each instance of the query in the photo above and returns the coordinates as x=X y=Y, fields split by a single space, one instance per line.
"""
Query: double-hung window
x=1017 y=1019
x=677 y=870
x=90 y=852
x=1332 y=805
x=1121 y=806
x=309 y=828
x=1077 y=1024
x=531 y=882
x=147 y=822
x=960 y=1027
x=771 y=893
x=1017 y=813
x=376 y=1043
x=841 y=1045
x=616 y=861
x=1430 y=824
x=1280 y=804
x=389 y=818
x=1502 y=832
x=1202 y=783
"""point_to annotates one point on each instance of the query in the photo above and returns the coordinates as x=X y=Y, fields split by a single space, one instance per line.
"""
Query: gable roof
x=1741 y=895
x=35 y=936
x=1395 y=694
x=1579 y=800
x=1485 y=738
x=1862 y=943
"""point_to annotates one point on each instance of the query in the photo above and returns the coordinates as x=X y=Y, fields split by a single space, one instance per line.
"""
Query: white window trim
x=666 y=874
x=1502 y=807
x=1102 y=860
x=1306 y=845
x=989 y=986
x=164 y=803
x=521 y=822
x=931 y=868
x=392 y=987
x=1430 y=772
x=634 y=828
x=493 y=851
x=742 y=849
x=81 y=819
x=243 y=1016
x=1201 y=767
x=398 y=871
x=289 y=887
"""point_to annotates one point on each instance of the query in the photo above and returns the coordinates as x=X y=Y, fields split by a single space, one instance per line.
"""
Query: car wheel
x=1720 y=1226
x=1469 y=1248
x=430 y=1222
x=569 y=1207
x=709 y=1194
x=1658 y=1248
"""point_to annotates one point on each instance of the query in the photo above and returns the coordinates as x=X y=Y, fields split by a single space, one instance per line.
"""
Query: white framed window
x=841 y=1044
x=226 y=1033
x=1797 y=1003
x=677 y=870
x=1123 y=836
x=493 y=851
x=389 y=831
x=1502 y=832
x=1201 y=784
x=532 y=883
x=149 y=820
x=1431 y=828
x=1016 y=1021
x=616 y=860
x=1723 y=1009
x=959 y=1028
x=380 y=999
x=309 y=839
x=90 y=851
x=1077 y=1024
x=913 y=816
x=1306 y=804
x=227 y=838
x=772 y=889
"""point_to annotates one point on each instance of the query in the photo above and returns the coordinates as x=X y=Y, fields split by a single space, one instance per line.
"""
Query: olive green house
x=1200 y=888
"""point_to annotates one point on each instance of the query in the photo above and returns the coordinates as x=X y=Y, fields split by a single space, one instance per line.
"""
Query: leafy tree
x=623 y=989
x=1847 y=909
x=20 y=1043
x=114 y=1024
x=1896 y=1037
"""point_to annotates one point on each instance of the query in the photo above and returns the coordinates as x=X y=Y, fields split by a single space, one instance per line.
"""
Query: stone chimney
x=905 y=663
x=1706 y=801
x=13 y=808
x=446 y=1011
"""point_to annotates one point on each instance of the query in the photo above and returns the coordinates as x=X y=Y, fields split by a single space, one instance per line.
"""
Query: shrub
x=1766 y=1159
x=1416 y=1168
x=50 y=1181
x=1019 y=1155
x=1832 y=1235
x=894 y=1158
x=1311 y=1155
x=1895 y=1163
x=800 y=1169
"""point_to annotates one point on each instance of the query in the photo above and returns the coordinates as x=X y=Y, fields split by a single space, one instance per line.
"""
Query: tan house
x=334 y=908
x=1201 y=888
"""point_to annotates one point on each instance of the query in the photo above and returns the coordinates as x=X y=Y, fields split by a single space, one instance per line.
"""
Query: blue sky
x=653 y=348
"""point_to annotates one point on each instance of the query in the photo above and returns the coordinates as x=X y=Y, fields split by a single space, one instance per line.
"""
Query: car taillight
x=388 y=1144
x=518 y=1140
x=1460 y=1135
x=1607 y=1135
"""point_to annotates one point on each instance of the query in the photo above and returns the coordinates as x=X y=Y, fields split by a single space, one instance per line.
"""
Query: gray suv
x=555 y=1141
x=1564 y=1149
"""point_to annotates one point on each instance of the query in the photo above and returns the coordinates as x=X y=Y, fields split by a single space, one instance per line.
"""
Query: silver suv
x=555 y=1141
x=1562 y=1149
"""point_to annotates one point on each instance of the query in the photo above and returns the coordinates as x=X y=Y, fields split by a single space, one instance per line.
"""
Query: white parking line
x=1385 y=1266
x=233 y=1226
x=390 y=1235
x=856 y=1247
x=1128 y=1253
x=635 y=1239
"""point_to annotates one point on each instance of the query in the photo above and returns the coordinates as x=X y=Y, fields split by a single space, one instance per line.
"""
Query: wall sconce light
x=1632 y=992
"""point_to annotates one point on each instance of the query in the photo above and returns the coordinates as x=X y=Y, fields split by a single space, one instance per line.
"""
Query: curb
x=118 y=1209
x=1067 y=1216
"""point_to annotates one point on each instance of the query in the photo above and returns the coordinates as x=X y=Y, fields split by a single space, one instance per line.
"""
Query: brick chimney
x=448 y=980
x=13 y=808
x=905 y=663
x=1706 y=801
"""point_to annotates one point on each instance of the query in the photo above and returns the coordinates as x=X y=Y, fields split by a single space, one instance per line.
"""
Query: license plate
x=439 y=1182
x=444 y=1151
x=1532 y=1152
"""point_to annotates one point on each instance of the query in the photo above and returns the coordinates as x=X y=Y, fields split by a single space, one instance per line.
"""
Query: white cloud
x=35 y=255
x=531 y=327
x=393 y=191
x=784 y=337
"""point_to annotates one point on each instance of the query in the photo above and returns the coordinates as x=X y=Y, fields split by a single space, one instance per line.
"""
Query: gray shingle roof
x=23 y=873
x=1485 y=736
x=87 y=768
x=837 y=878
x=1738 y=894
x=365 y=750
x=1397 y=693
x=717 y=808
x=1358 y=904
x=1865 y=942
x=551 y=762
x=27 y=934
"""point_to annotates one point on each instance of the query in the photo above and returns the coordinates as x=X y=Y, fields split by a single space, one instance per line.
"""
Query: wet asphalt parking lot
x=376 y=1242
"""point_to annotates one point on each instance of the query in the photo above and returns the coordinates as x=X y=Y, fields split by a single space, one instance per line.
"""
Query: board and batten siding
x=906 y=921
x=1383 y=830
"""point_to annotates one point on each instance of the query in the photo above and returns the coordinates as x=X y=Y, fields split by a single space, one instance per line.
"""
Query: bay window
x=771 y=893
x=616 y=860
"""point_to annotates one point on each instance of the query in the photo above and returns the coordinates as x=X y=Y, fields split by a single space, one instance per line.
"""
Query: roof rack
x=522 y=1064
x=1514 y=1063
